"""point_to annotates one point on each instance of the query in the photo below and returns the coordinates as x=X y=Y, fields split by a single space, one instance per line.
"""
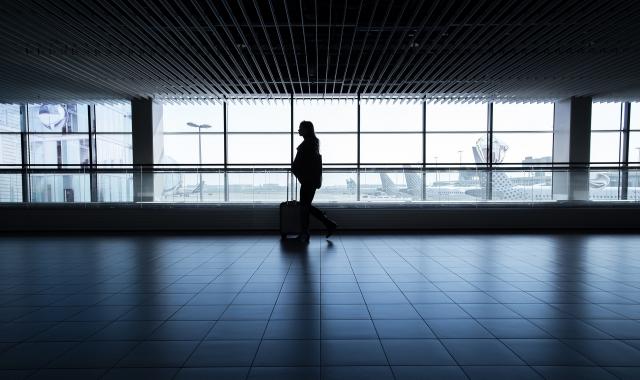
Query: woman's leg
x=306 y=197
x=329 y=224
x=318 y=214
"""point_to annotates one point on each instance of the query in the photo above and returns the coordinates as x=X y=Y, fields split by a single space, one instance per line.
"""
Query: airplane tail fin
x=414 y=183
x=387 y=184
x=351 y=186
x=478 y=156
x=197 y=188
x=502 y=186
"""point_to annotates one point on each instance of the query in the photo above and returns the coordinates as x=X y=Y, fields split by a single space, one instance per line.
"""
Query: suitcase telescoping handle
x=294 y=193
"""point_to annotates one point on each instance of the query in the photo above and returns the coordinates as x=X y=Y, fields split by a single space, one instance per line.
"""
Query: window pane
x=335 y=148
x=113 y=149
x=633 y=191
x=183 y=149
x=327 y=116
x=634 y=147
x=10 y=187
x=455 y=185
x=634 y=120
x=391 y=148
x=263 y=116
x=259 y=149
x=604 y=186
x=62 y=118
x=115 y=187
x=180 y=149
x=10 y=152
x=390 y=186
x=455 y=148
x=60 y=188
x=178 y=117
x=389 y=117
x=523 y=117
x=9 y=118
x=185 y=187
x=56 y=149
x=113 y=117
x=605 y=116
x=521 y=186
x=212 y=149
x=526 y=148
x=456 y=117
x=605 y=146
x=258 y=186
x=337 y=187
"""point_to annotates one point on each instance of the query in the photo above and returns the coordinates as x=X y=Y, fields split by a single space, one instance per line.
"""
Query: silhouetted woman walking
x=307 y=167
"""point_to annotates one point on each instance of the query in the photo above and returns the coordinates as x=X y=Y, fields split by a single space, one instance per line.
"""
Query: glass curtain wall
x=456 y=139
x=605 y=150
x=606 y=133
x=522 y=136
x=193 y=136
x=58 y=136
x=634 y=134
x=113 y=149
x=259 y=136
x=633 y=191
x=391 y=135
x=375 y=151
x=336 y=125
x=10 y=152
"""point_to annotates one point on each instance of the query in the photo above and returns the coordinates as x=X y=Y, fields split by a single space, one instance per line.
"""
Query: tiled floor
x=359 y=307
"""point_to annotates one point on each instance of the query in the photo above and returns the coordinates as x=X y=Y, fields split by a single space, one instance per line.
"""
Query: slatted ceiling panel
x=441 y=50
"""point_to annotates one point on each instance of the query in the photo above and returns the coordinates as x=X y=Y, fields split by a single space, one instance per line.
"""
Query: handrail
x=169 y=169
x=403 y=166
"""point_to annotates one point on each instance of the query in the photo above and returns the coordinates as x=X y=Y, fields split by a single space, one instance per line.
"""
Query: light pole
x=436 y=159
x=199 y=126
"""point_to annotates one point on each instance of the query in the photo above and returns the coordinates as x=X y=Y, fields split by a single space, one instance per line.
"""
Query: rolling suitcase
x=290 y=213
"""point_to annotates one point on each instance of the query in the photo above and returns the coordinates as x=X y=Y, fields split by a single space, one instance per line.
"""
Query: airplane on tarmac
x=469 y=187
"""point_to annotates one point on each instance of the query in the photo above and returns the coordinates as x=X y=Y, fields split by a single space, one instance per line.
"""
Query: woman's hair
x=309 y=133
x=308 y=127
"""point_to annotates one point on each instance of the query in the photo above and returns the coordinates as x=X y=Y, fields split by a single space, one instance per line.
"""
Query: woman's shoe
x=304 y=238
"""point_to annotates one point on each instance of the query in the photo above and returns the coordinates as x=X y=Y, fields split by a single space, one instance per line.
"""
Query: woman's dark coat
x=307 y=166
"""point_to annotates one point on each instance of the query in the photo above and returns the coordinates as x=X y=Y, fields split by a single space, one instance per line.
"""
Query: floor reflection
x=450 y=305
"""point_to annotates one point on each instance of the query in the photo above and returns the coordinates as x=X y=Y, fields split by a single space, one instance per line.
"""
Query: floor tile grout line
x=439 y=340
x=131 y=307
x=321 y=254
x=138 y=343
x=225 y=309
x=77 y=343
x=455 y=303
x=270 y=314
x=368 y=311
x=494 y=337
x=538 y=278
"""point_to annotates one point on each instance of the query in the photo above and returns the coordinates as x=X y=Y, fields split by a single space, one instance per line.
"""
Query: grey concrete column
x=572 y=145
x=146 y=119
